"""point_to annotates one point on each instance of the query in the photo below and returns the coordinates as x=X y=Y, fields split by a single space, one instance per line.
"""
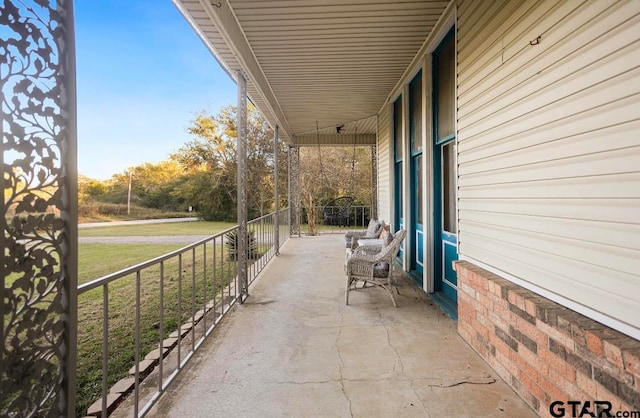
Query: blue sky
x=142 y=76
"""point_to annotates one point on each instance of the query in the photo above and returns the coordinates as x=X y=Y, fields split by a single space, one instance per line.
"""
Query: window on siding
x=415 y=126
x=419 y=186
x=398 y=155
x=397 y=129
x=449 y=188
x=445 y=68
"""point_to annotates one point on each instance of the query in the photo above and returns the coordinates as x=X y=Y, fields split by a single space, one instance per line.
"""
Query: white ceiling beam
x=335 y=140
x=231 y=32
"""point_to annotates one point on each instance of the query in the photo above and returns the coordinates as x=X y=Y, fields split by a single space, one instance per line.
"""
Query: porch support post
x=294 y=191
x=39 y=222
x=241 y=179
x=69 y=212
x=374 y=182
x=276 y=195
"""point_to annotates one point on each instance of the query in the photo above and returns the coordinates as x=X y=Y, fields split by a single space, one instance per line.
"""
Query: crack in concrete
x=362 y=380
x=395 y=350
x=341 y=367
x=420 y=399
x=293 y=382
x=467 y=380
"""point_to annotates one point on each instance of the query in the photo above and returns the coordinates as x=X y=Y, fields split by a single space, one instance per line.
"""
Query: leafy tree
x=155 y=184
x=202 y=173
x=211 y=160
x=152 y=185
x=91 y=189
x=330 y=172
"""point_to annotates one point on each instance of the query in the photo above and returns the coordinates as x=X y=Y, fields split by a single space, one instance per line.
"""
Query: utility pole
x=129 y=196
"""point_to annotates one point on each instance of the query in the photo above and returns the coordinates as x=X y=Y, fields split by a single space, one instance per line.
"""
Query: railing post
x=241 y=239
x=294 y=191
x=276 y=196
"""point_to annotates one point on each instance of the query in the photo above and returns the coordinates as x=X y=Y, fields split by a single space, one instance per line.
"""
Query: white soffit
x=316 y=63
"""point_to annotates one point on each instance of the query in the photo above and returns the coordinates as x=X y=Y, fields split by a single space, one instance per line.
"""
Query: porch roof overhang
x=312 y=66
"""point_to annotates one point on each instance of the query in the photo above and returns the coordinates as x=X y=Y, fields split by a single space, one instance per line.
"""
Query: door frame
x=398 y=218
x=416 y=165
x=436 y=147
x=423 y=62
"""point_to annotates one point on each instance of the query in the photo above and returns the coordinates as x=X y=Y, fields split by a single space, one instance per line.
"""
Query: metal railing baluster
x=179 y=309
x=137 y=349
x=105 y=346
x=193 y=299
x=161 y=327
x=204 y=287
x=215 y=273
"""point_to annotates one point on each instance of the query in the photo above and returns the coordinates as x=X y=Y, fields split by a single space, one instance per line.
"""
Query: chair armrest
x=367 y=250
x=356 y=243
x=360 y=260
x=352 y=234
x=351 y=238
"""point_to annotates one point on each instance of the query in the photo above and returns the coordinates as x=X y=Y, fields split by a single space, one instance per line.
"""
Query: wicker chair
x=374 y=264
x=373 y=231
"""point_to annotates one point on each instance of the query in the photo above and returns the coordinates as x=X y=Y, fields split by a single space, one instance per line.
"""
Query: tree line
x=201 y=174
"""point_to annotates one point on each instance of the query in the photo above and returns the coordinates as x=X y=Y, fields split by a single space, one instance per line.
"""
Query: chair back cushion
x=381 y=270
x=381 y=227
x=373 y=227
x=386 y=236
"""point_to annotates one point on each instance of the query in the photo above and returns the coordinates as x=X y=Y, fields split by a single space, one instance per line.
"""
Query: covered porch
x=540 y=158
x=295 y=349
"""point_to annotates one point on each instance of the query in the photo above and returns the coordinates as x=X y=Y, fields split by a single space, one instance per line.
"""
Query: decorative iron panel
x=276 y=195
x=294 y=190
x=242 y=184
x=39 y=222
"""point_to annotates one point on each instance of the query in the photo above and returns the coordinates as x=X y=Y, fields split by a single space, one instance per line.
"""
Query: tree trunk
x=309 y=204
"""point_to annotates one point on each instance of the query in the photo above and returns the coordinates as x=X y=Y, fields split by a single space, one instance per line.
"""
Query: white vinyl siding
x=549 y=147
x=385 y=166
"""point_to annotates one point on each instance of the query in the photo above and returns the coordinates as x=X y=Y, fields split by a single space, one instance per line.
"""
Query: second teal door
x=416 y=258
x=444 y=175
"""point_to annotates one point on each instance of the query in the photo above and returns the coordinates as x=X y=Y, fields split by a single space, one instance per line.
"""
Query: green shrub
x=252 y=244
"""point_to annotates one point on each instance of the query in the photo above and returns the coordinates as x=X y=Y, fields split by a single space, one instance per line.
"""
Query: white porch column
x=294 y=191
x=241 y=239
x=276 y=195
x=374 y=182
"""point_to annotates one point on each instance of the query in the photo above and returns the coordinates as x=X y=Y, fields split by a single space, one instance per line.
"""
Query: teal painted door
x=446 y=239
x=445 y=169
x=398 y=155
x=416 y=229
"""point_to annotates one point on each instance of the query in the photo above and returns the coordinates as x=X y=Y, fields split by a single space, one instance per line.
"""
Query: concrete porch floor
x=295 y=349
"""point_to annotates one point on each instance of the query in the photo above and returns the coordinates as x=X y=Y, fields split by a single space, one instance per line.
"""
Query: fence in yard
x=167 y=306
x=357 y=217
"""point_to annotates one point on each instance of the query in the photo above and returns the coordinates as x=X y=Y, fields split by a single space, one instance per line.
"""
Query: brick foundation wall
x=546 y=352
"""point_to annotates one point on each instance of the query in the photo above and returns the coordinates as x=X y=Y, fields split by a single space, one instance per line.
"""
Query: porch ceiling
x=316 y=63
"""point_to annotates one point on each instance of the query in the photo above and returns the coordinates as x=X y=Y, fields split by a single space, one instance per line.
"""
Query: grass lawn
x=176 y=228
x=98 y=260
